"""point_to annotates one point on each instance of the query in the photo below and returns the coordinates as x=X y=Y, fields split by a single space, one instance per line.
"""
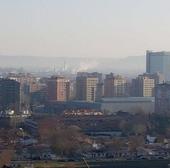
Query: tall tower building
x=9 y=95
x=86 y=87
x=158 y=62
x=115 y=86
x=57 y=88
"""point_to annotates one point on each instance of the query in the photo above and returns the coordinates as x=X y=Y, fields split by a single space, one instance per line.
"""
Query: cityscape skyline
x=84 y=83
x=129 y=66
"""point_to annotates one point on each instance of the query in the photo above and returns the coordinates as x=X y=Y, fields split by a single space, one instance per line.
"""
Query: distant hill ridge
x=131 y=63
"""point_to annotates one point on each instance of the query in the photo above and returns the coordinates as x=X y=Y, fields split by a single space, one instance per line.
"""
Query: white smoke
x=85 y=66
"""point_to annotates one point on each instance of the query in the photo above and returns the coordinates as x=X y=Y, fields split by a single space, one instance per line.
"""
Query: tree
x=115 y=144
x=65 y=140
x=135 y=142
x=140 y=129
x=125 y=126
x=5 y=157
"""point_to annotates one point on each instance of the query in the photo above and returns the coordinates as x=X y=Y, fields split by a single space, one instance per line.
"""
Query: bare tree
x=135 y=142
x=65 y=140
x=5 y=157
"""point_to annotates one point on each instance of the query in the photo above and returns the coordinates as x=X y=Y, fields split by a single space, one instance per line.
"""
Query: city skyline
x=75 y=28
x=84 y=83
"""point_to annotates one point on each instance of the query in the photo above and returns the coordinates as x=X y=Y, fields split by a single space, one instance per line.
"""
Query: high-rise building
x=158 y=77
x=68 y=90
x=57 y=88
x=25 y=79
x=108 y=85
x=9 y=96
x=99 y=91
x=28 y=85
x=92 y=74
x=162 y=99
x=158 y=62
x=143 y=86
x=86 y=87
x=115 y=86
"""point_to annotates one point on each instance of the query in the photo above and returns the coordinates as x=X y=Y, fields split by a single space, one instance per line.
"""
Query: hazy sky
x=98 y=28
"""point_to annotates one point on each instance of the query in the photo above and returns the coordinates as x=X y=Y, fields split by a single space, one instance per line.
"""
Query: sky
x=84 y=28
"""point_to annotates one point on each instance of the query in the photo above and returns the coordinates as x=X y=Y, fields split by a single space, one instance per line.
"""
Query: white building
x=128 y=104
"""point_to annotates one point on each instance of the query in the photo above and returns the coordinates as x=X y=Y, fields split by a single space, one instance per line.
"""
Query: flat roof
x=128 y=99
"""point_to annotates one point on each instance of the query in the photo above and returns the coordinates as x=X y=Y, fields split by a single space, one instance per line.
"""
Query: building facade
x=158 y=62
x=57 y=89
x=86 y=87
x=162 y=99
x=115 y=86
x=143 y=86
x=92 y=74
x=29 y=84
x=128 y=104
x=9 y=96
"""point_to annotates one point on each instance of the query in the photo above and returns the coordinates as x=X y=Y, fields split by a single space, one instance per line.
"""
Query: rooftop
x=128 y=99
